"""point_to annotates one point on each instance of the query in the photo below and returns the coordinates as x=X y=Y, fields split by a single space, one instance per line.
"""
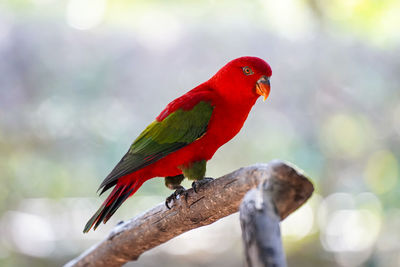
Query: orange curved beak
x=263 y=87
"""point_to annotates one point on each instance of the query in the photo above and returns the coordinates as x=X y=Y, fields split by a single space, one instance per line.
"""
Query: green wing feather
x=161 y=138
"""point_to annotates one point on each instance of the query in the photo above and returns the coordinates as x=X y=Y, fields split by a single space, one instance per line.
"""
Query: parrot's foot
x=180 y=191
x=199 y=183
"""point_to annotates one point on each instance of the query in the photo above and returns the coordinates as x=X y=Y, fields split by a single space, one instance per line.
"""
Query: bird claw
x=196 y=185
x=180 y=191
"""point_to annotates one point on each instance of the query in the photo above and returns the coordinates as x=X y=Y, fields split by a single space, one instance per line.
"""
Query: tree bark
x=260 y=224
x=213 y=201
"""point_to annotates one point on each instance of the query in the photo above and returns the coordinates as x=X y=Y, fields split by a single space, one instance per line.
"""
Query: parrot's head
x=244 y=77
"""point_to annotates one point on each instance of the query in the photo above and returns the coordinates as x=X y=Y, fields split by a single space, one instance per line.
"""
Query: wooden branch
x=259 y=220
x=214 y=200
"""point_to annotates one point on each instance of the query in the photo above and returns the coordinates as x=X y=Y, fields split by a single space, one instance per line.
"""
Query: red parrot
x=187 y=133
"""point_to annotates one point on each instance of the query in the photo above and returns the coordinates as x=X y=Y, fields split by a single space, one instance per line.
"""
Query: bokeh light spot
x=301 y=223
x=157 y=30
x=344 y=136
x=382 y=171
x=351 y=230
x=85 y=14
x=350 y=225
x=31 y=234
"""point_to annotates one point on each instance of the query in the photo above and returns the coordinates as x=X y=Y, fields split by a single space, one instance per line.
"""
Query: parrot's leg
x=174 y=183
x=193 y=171
x=199 y=183
x=196 y=171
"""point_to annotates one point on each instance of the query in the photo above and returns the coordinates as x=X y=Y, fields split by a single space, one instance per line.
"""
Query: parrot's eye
x=247 y=70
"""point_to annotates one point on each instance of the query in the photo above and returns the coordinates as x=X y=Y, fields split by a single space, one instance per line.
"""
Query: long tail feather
x=119 y=194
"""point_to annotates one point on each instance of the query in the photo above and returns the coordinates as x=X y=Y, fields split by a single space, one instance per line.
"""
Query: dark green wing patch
x=161 y=138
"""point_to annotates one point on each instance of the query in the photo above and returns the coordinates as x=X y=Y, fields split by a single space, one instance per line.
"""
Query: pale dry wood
x=213 y=201
x=259 y=220
x=261 y=231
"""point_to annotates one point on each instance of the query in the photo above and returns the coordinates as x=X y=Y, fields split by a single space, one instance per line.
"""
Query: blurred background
x=80 y=79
